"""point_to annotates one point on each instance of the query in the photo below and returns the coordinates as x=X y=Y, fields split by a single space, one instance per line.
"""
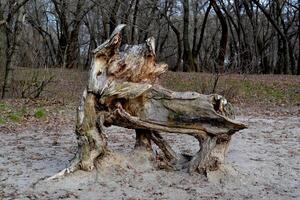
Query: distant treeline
x=242 y=36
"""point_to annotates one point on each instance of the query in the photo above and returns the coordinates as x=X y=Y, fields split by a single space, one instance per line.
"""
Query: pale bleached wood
x=122 y=91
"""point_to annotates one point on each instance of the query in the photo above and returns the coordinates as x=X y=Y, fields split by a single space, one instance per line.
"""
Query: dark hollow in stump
x=122 y=91
x=143 y=139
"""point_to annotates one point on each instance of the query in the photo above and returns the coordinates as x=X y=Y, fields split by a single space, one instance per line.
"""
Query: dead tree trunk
x=121 y=91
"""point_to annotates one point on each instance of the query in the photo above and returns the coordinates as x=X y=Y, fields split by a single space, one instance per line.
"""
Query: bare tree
x=283 y=39
x=192 y=35
x=12 y=27
x=188 y=59
x=196 y=48
x=224 y=37
x=168 y=6
x=68 y=32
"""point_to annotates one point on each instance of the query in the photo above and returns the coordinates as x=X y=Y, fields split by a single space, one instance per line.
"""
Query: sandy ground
x=263 y=162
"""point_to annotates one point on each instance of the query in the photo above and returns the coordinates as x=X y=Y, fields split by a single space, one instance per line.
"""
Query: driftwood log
x=122 y=91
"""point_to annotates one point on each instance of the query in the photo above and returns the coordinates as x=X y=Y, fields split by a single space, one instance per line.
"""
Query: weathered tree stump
x=122 y=91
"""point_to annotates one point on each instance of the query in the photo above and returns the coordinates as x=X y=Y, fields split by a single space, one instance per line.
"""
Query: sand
x=263 y=162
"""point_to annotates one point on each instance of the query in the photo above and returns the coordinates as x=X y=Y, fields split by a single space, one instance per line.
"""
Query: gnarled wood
x=92 y=140
x=169 y=153
x=122 y=91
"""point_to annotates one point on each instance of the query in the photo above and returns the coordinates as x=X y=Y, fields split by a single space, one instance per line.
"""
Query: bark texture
x=122 y=91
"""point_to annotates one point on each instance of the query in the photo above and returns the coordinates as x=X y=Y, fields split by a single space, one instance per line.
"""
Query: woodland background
x=214 y=36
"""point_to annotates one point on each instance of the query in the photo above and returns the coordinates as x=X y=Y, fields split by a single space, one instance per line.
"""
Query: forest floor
x=37 y=140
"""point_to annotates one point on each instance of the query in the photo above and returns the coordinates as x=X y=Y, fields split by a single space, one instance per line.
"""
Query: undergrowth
x=16 y=114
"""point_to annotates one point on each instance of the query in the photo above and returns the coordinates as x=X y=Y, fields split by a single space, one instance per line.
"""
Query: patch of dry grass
x=240 y=89
x=246 y=89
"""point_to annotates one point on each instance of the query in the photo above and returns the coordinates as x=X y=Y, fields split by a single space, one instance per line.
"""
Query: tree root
x=200 y=161
x=73 y=166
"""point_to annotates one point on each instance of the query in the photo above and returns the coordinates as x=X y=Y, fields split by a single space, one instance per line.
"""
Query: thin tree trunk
x=195 y=24
x=286 y=60
x=11 y=32
x=126 y=33
x=8 y=70
x=163 y=41
x=178 y=36
x=188 y=63
x=224 y=38
x=291 y=58
x=198 y=48
x=113 y=16
x=136 y=7
x=72 y=51
x=179 y=44
x=92 y=42
x=179 y=47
